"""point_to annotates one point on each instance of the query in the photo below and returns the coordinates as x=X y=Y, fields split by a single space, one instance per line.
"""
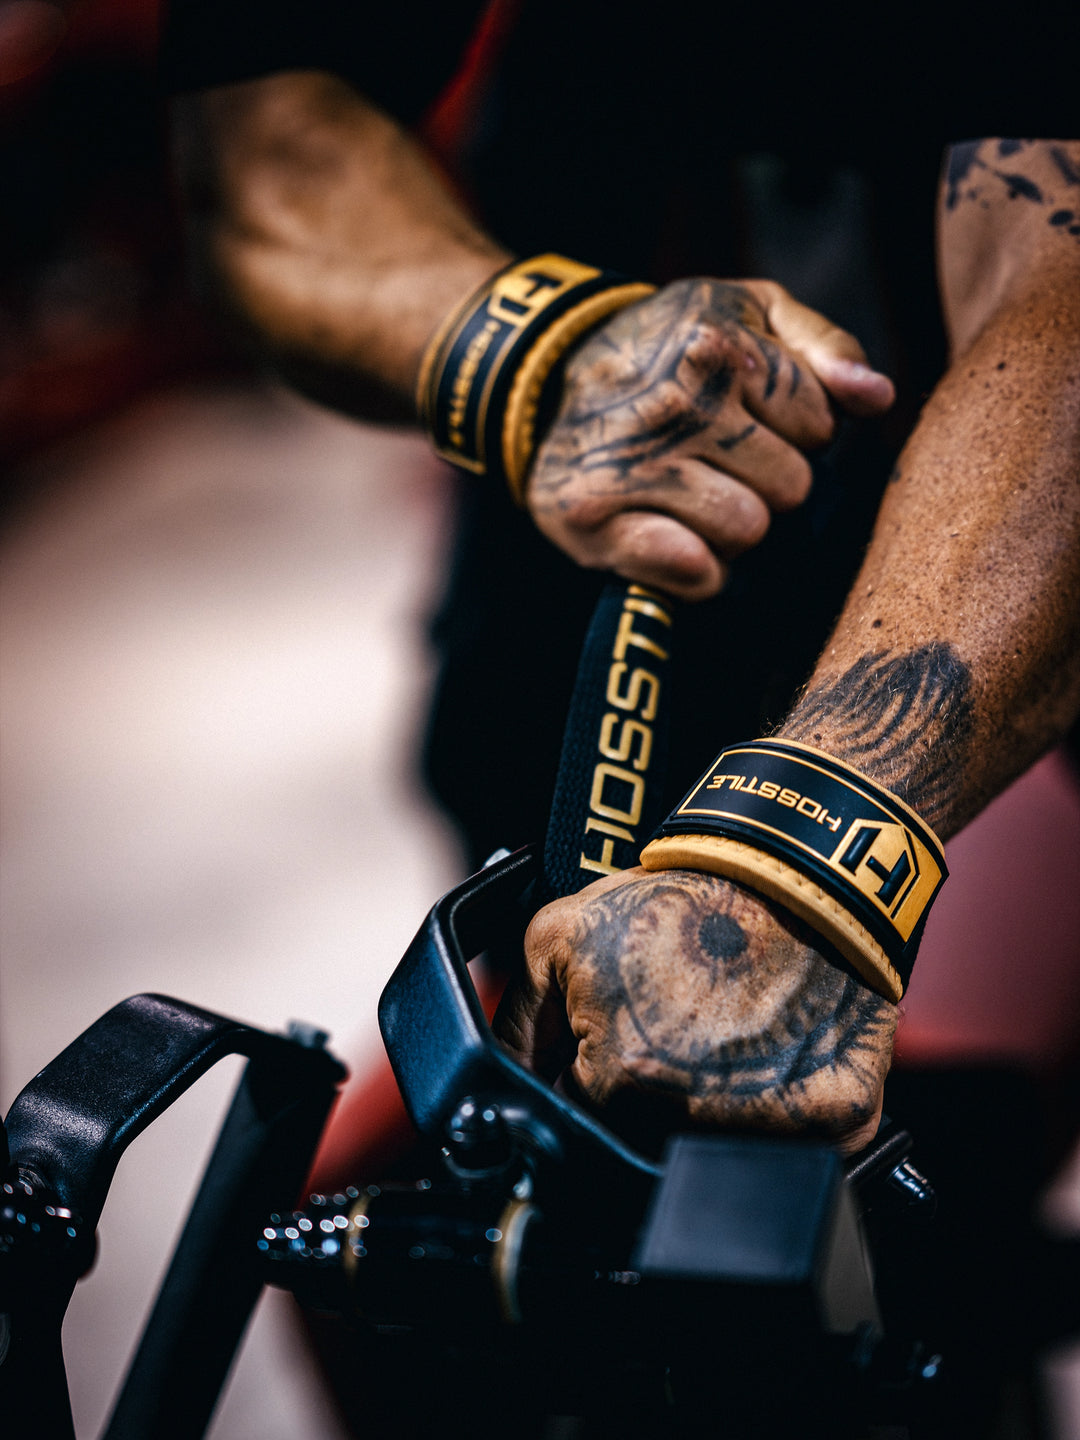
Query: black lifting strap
x=609 y=791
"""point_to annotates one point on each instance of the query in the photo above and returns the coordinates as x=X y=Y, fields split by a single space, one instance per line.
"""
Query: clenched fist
x=679 y=999
x=683 y=425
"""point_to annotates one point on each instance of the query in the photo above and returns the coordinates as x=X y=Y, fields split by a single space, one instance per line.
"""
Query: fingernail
x=858 y=373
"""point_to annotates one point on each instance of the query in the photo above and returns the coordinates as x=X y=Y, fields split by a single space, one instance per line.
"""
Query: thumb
x=835 y=356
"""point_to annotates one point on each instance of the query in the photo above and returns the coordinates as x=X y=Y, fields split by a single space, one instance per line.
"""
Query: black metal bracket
x=442 y=1048
x=66 y=1132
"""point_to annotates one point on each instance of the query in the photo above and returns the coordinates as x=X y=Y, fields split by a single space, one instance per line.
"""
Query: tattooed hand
x=682 y=426
x=693 y=1002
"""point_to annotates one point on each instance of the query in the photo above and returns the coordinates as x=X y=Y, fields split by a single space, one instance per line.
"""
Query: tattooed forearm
x=721 y=1005
x=982 y=172
x=907 y=720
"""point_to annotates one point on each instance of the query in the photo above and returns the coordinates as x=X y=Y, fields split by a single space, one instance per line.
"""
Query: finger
x=725 y=510
x=698 y=518
x=653 y=549
x=720 y=368
x=781 y=390
x=531 y=1018
x=729 y=514
x=854 y=386
x=749 y=451
x=834 y=355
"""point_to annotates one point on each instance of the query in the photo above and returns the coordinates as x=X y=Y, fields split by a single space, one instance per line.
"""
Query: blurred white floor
x=213 y=667
x=212 y=671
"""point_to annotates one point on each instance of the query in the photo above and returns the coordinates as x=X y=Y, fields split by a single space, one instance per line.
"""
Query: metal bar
x=210 y=1290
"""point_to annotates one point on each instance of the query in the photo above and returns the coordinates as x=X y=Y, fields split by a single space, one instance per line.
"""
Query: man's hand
x=323 y=229
x=695 y=1003
x=683 y=424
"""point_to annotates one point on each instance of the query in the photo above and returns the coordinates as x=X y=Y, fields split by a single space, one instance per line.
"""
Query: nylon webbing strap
x=609 y=789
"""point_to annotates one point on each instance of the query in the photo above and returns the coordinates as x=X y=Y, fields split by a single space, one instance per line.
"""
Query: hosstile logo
x=476 y=361
x=625 y=743
x=815 y=806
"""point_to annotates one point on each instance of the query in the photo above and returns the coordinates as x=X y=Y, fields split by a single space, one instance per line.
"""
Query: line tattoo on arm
x=904 y=719
x=977 y=172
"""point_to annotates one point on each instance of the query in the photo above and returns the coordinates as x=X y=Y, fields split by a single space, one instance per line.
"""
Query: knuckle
x=713 y=346
x=767 y=292
x=851 y=1109
x=664 y=407
x=588 y=512
x=543 y=937
x=564 y=503
x=683 y=292
x=744 y=521
x=636 y=541
x=842 y=342
x=794 y=482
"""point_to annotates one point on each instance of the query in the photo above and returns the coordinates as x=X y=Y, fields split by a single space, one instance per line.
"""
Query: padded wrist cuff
x=483 y=375
x=844 y=854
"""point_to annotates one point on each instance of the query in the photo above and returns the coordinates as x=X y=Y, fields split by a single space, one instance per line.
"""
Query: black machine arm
x=535 y=1222
x=442 y=1050
x=69 y=1127
x=536 y=1216
x=66 y=1132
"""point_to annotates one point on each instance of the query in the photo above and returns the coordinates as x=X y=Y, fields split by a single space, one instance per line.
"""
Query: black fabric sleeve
x=399 y=53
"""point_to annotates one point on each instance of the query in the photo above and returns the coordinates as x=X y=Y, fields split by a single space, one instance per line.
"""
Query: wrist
x=495 y=360
x=427 y=293
x=839 y=849
x=832 y=740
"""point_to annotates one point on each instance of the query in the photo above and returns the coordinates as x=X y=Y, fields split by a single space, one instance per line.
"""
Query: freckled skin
x=955 y=663
x=327 y=235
